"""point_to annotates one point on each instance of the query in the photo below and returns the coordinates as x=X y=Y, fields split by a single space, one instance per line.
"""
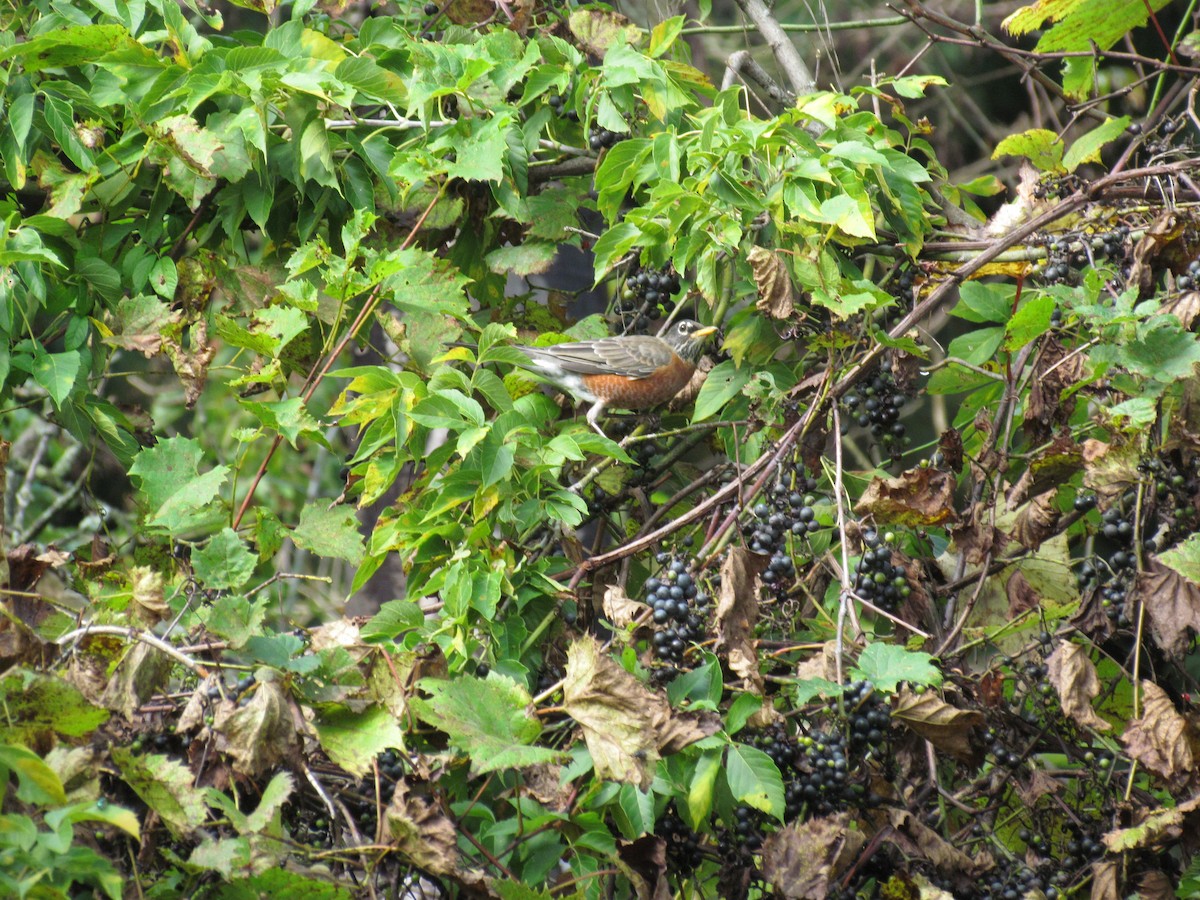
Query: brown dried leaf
x=421 y=833
x=917 y=498
x=1185 y=307
x=804 y=859
x=1172 y=603
x=1037 y=522
x=912 y=836
x=260 y=735
x=1162 y=740
x=646 y=859
x=1166 y=229
x=737 y=613
x=776 y=296
x=191 y=363
x=950 y=445
x=946 y=727
x=1155 y=885
x=626 y=726
x=1021 y=595
x=1040 y=784
x=620 y=609
x=1074 y=677
x=977 y=541
x=1105 y=881
x=1056 y=370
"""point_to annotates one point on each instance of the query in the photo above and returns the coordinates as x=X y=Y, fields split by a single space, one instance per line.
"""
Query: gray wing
x=634 y=356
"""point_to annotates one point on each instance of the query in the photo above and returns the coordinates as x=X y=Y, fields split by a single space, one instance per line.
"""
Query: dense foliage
x=899 y=598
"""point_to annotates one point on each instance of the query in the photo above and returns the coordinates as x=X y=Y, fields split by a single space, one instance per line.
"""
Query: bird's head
x=687 y=337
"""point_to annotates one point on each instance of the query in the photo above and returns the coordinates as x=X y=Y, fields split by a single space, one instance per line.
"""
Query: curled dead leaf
x=803 y=860
x=1074 y=677
x=1162 y=740
x=260 y=735
x=737 y=613
x=626 y=726
x=1037 y=521
x=1172 y=603
x=1110 y=469
x=946 y=727
x=776 y=296
x=917 y=498
x=620 y=609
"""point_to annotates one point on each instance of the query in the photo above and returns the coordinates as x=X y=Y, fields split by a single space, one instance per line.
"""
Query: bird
x=633 y=371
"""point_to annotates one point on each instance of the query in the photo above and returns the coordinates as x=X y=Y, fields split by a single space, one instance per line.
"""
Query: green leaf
x=37 y=708
x=331 y=532
x=754 y=779
x=233 y=618
x=166 y=786
x=723 y=383
x=1087 y=147
x=36 y=781
x=1040 y=146
x=1029 y=322
x=1184 y=558
x=886 y=665
x=979 y=302
x=352 y=740
x=56 y=372
x=487 y=718
x=225 y=562
x=290 y=418
x=699 y=801
x=164 y=279
x=394 y=618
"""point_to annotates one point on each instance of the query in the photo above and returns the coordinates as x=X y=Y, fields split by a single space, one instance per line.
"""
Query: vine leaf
x=776 y=296
x=805 y=859
x=1172 y=602
x=165 y=786
x=353 y=739
x=1074 y=677
x=260 y=735
x=487 y=718
x=1155 y=826
x=886 y=665
x=1162 y=740
x=946 y=727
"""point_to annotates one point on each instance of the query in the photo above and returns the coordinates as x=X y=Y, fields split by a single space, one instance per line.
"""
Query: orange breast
x=641 y=393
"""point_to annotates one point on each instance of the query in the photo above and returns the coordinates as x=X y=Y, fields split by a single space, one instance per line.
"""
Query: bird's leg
x=593 y=415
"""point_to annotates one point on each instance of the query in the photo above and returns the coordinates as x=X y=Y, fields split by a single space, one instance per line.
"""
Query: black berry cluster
x=679 y=608
x=876 y=405
x=876 y=579
x=904 y=289
x=431 y=9
x=821 y=783
x=1059 y=260
x=747 y=828
x=391 y=764
x=684 y=852
x=1173 y=487
x=601 y=138
x=1004 y=756
x=646 y=296
x=558 y=103
x=1012 y=879
x=869 y=715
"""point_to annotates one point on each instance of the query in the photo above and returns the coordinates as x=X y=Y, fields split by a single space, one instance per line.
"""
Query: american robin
x=629 y=372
